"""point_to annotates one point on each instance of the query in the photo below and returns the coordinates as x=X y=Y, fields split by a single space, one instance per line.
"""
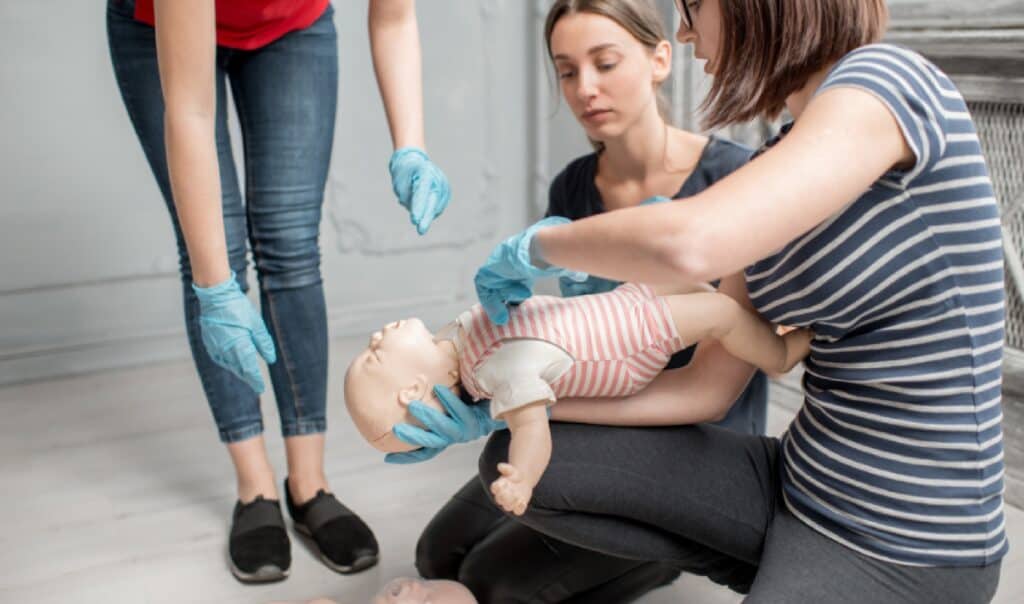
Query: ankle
x=250 y=488
x=304 y=487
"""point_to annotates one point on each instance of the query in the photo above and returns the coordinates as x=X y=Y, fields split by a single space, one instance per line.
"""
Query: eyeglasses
x=686 y=12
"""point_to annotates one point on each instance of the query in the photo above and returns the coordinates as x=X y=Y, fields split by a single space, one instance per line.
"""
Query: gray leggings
x=709 y=500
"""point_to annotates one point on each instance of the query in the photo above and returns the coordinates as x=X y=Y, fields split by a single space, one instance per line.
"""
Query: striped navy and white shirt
x=897 y=451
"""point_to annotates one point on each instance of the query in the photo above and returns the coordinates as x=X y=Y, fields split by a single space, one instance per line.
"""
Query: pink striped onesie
x=618 y=341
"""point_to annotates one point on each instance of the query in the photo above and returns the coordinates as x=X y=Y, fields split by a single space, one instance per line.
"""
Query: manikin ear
x=661 y=61
x=415 y=392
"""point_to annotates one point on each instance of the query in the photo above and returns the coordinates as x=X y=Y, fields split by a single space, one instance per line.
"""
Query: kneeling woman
x=610 y=57
x=872 y=221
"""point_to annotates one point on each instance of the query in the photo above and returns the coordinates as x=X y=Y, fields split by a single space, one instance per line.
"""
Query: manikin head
x=404 y=590
x=402 y=363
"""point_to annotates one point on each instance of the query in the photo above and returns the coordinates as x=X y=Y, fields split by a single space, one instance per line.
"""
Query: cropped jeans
x=286 y=97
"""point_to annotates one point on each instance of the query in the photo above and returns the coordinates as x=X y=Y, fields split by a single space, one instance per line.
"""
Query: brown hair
x=770 y=48
x=639 y=17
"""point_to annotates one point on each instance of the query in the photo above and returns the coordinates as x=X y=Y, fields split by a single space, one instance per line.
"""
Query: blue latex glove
x=421 y=187
x=594 y=284
x=507 y=275
x=463 y=423
x=233 y=332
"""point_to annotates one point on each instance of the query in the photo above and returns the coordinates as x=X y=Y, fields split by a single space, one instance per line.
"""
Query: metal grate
x=1001 y=130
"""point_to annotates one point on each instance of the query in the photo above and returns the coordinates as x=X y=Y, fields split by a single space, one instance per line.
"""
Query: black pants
x=502 y=562
x=708 y=501
x=505 y=562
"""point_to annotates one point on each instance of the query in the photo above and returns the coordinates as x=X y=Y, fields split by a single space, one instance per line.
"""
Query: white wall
x=88 y=276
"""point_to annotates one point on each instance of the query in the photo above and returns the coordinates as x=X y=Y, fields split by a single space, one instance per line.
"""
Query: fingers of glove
x=408 y=457
x=515 y=293
x=242 y=362
x=453 y=405
x=419 y=437
x=655 y=199
x=423 y=209
x=264 y=343
x=437 y=422
x=493 y=304
x=575 y=276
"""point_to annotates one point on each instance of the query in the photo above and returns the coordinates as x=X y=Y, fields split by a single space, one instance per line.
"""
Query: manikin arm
x=743 y=333
x=529 y=454
x=702 y=391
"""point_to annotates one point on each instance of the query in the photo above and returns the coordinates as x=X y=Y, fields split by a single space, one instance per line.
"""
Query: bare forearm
x=530 y=449
x=395 y=46
x=756 y=210
x=195 y=183
x=186 y=45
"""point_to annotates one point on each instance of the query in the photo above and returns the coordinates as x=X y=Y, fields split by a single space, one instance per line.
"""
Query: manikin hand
x=511 y=491
x=798 y=346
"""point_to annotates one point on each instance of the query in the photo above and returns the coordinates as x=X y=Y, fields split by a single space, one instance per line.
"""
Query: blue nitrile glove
x=233 y=332
x=421 y=187
x=507 y=275
x=593 y=284
x=463 y=423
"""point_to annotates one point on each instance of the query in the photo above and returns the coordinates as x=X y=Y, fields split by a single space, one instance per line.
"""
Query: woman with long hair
x=611 y=58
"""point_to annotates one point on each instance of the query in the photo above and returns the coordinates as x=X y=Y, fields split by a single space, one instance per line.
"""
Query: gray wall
x=88 y=276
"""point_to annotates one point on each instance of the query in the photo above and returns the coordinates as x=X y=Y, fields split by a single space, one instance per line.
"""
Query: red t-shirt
x=251 y=24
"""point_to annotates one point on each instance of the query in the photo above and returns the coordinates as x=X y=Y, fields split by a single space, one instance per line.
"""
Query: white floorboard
x=115 y=489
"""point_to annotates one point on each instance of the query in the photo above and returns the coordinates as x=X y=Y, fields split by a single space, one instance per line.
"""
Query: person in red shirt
x=174 y=61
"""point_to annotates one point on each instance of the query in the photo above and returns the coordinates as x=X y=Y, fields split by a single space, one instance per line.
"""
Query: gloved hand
x=421 y=187
x=593 y=284
x=233 y=332
x=507 y=275
x=462 y=424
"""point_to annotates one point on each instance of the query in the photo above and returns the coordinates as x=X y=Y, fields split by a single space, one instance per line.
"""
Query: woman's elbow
x=686 y=256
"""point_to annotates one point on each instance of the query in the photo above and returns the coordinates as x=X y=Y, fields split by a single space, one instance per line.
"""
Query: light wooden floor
x=115 y=489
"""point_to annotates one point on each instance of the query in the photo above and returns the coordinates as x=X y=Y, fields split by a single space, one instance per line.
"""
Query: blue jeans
x=286 y=96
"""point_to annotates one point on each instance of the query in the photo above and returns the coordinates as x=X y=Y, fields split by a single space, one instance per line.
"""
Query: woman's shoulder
x=889 y=63
x=571 y=188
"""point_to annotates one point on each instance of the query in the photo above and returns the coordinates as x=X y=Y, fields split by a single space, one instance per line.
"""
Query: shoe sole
x=268 y=573
x=359 y=565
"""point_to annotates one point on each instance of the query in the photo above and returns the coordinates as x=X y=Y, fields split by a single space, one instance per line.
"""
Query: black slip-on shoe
x=346 y=543
x=259 y=550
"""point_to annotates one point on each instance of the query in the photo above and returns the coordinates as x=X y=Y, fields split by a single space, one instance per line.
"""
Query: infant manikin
x=406 y=590
x=597 y=346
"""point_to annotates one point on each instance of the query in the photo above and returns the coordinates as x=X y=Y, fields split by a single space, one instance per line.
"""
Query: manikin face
x=705 y=33
x=417 y=591
x=608 y=78
x=402 y=364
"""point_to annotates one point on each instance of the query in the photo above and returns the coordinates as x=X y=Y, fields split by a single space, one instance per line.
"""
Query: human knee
x=287 y=264
x=433 y=556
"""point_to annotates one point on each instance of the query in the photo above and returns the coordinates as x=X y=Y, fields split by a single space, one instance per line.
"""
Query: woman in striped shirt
x=872 y=221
